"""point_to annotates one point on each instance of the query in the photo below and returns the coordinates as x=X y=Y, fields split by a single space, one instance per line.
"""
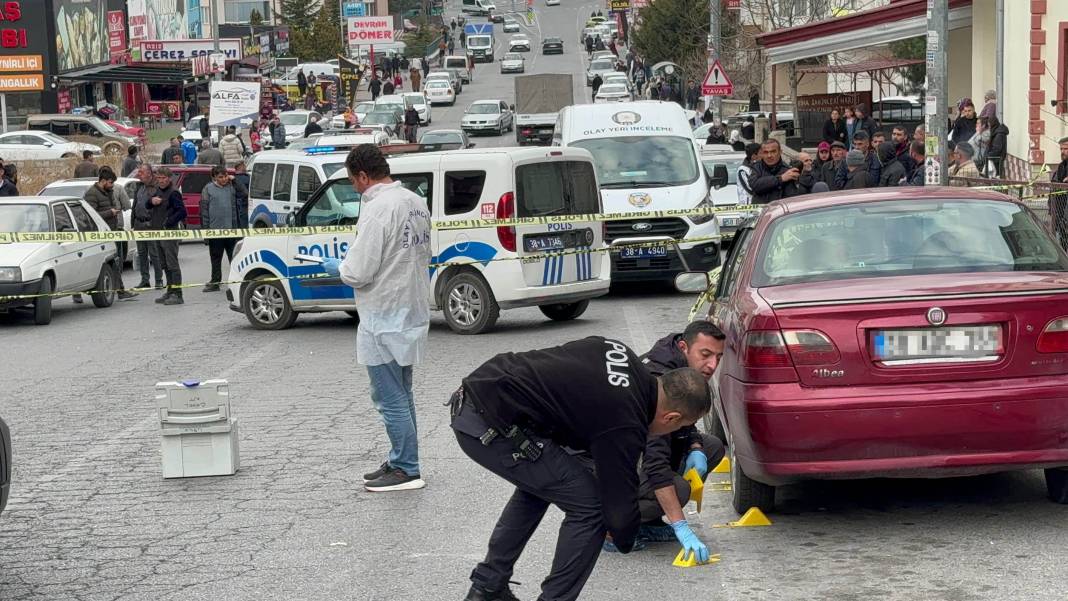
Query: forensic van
x=476 y=271
x=646 y=160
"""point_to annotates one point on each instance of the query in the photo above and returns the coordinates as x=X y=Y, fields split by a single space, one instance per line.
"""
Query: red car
x=190 y=181
x=129 y=130
x=909 y=332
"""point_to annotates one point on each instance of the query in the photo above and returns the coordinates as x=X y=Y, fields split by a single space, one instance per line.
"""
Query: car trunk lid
x=929 y=328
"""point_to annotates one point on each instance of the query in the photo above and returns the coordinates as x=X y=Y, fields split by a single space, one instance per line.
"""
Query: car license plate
x=731 y=221
x=642 y=252
x=933 y=345
x=558 y=241
x=545 y=131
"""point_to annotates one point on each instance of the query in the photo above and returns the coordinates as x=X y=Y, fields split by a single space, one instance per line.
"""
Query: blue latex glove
x=332 y=266
x=697 y=460
x=690 y=542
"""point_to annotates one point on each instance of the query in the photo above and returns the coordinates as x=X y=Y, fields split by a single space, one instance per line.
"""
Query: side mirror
x=48 y=145
x=291 y=219
x=511 y=107
x=718 y=176
x=692 y=281
x=470 y=144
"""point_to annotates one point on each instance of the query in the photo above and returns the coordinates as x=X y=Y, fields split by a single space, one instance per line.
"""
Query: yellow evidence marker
x=724 y=467
x=682 y=560
x=697 y=486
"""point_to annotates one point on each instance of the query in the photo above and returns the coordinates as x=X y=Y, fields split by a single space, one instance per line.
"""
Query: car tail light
x=810 y=347
x=506 y=210
x=1054 y=338
x=765 y=348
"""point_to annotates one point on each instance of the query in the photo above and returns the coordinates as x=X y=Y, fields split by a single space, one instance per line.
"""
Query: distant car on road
x=440 y=91
x=600 y=67
x=510 y=25
x=552 y=46
x=552 y=2
x=494 y=116
x=519 y=43
x=612 y=92
x=192 y=132
x=446 y=136
x=513 y=62
x=906 y=332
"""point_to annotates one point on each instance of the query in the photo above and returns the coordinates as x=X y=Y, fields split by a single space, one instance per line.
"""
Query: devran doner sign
x=365 y=31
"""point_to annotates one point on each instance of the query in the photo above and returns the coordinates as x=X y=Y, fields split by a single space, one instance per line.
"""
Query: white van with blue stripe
x=476 y=272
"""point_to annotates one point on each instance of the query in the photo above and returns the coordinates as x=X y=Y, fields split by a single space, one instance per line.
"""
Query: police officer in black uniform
x=526 y=416
x=663 y=491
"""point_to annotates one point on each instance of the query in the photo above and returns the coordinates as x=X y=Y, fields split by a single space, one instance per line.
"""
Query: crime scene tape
x=525 y=258
x=455 y=224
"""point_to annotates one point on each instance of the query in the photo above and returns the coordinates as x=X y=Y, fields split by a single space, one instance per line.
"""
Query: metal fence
x=1048 y=200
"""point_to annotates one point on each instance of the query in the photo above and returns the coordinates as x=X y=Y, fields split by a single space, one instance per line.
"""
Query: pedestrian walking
x=278 y=134
x=576 y=429
x=452 y=46
x=693 y=94
x=398 y=83
x=86 y=168
x=773 y=179
x=189 y=150
x=311 y=81
x=131 y=162
x=589 y=45
x=834 y=129
x=167 y=212
x=302 y=82
x=141 y=219
x=387 y=267
x=596 y=84
x=463 y=39
x=388 y=88
x=441 y=52
x=411 y=123
x=416 y=77
x=375 y=86
x=101 y=196
x=394 y=65
x=232 y=147
x=210 y=155
x=219 y=209
x=205 y=130
x=425 y=63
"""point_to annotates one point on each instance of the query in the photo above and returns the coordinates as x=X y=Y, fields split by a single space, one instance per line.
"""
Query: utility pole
x=215 y=40
x=999 y=69
x=714 y=16
x=935 y=117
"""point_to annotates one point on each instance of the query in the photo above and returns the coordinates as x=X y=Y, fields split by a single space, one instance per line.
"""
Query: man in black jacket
x=663 y=491
x=515 y=415
x=773 y=179
x=147 y=251
x=167 y=212
x=862 y=143
x=893 y=172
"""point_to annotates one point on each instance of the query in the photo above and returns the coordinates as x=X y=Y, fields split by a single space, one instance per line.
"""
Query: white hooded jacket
x=389 y=267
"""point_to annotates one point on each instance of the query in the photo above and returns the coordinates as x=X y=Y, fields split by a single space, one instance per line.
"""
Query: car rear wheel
x=564 y=311
x=266 y=305
x=42 y=305
x=1057 y=484
x=103 y=294
x=469 y=304
x=746 y=492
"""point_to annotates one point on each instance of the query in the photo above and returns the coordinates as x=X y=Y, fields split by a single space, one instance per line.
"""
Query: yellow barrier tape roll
x=455 y=224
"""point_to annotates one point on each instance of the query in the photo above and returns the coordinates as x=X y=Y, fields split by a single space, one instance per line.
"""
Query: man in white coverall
x=389 y=266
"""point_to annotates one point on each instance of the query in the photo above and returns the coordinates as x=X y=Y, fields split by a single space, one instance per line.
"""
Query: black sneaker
x=163 y=299
x=142 y=284
x=211 y=288
x=394 y=479
x=77 y=298
x=174 y=299
x=477 y=593
x=375 y=475
x=125 y=294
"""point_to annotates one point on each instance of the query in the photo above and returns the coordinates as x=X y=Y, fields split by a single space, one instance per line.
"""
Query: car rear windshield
x=556 y=188
x=24 y=218
x=600 y=65
x=293 y=118
x=904 y=237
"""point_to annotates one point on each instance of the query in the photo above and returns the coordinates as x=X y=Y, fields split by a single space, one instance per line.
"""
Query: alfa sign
x=172 y=51
x=370 y=30
x=233 y=101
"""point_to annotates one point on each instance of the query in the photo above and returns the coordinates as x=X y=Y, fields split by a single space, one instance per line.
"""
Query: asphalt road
x=91 y=518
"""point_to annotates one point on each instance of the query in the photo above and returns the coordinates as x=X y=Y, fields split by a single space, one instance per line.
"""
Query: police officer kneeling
x=524 y=417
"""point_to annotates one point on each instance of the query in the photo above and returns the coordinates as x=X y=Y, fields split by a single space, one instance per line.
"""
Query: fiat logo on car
x=936 y=316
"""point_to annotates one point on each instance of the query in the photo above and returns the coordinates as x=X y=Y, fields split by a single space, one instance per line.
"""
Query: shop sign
x=176 y=51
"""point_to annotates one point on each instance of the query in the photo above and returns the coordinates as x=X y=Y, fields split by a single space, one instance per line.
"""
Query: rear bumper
x=18 y=289
x=480 y=127
x=533 y=296
x=903 y=431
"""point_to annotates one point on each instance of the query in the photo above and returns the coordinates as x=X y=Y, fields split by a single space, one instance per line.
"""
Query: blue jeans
x=391 y=393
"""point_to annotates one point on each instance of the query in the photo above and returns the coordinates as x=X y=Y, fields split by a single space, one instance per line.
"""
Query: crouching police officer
x=525 y=417
x=663 y=491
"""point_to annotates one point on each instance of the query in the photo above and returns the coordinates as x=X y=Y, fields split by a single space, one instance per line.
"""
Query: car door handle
x=79 y=253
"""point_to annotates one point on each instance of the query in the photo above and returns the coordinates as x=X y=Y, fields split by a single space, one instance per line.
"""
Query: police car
x=477 y=271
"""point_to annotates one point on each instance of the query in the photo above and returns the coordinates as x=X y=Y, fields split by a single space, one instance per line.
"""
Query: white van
x=478 y=7
x=280 y=181
x=489 y=269
x=460 y=64
x=646 y=160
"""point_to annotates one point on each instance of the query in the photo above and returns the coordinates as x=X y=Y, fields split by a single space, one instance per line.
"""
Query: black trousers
x=557 y=478
x=148 y=253
x=120 y=258
x=168 y=254
x=216 y=248
x=647 y=503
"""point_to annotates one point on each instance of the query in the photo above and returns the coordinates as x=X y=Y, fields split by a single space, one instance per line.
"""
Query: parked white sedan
x=76 y=187
x=32 y=144
x=52 y=268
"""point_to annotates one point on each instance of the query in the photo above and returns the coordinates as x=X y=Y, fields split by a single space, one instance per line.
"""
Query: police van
x=476 y=272
x=647 y=160
x=280 y=181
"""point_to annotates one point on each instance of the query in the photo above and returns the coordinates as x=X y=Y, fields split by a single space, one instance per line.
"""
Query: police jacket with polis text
x=664 y=453
x=592 y=395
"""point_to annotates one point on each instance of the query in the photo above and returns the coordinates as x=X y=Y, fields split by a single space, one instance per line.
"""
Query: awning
x=878 y=64
x=895 y=21
x=169 y=74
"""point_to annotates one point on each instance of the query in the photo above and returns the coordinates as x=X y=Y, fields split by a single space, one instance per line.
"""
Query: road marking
x=635 y=325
